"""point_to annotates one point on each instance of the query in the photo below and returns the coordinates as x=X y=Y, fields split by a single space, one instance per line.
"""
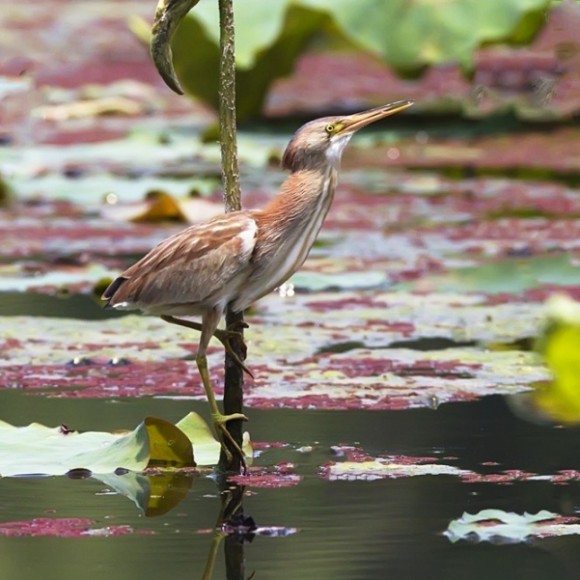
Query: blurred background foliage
x=409 y=38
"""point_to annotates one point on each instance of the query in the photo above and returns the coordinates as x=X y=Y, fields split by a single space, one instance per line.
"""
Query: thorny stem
x=234 y=376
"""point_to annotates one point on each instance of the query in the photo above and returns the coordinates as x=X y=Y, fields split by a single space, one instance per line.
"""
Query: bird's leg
x=224 y=336
x=219 y=420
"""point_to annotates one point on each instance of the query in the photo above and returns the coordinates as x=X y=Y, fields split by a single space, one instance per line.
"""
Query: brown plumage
x=239 y=257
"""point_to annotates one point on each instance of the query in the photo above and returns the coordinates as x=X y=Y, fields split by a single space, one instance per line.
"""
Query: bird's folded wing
x=190 y=266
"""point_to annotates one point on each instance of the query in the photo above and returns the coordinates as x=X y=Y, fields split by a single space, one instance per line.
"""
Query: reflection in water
x=233 y=527
x=159 y=491
x=155 y=493
x=349 y=529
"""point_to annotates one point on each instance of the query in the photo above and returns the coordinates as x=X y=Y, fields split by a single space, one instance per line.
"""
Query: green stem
x=234 y=377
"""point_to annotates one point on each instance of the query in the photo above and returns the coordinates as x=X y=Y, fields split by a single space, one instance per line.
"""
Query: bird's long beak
x=357 y=121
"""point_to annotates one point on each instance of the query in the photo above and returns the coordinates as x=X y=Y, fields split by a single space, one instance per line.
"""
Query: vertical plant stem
x=234 y=378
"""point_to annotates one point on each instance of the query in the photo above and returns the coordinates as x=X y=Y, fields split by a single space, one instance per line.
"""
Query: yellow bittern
x=241 y=256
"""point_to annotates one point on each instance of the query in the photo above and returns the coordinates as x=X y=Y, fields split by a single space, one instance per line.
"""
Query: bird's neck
x=299 y=209
x=287 y=228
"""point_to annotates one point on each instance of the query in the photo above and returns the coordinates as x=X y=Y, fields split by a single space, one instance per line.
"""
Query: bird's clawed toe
x=226 y=337
x=222 y=434
x=238 y=326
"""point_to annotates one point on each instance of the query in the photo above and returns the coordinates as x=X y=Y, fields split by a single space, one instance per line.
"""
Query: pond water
x=345 y=529
x=425 y=289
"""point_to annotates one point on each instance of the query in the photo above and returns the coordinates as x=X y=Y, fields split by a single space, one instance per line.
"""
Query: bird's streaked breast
x=286 y=234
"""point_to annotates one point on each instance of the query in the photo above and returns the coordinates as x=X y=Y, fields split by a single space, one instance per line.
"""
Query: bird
x=239 y=257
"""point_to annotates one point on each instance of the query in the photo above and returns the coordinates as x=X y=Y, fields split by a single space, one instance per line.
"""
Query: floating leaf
x=493 y=525
x=315 y=281
x=511 y=276
x=61 y=528
x=207 y=449
x=36 y=449
x=22 y=278
x=383 y=469
x=302 y=356
x=360 y=466
x=168 y=445
x=40 y=450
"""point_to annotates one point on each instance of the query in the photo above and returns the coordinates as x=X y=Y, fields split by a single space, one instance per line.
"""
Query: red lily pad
x=62 y=528
x=263 y=479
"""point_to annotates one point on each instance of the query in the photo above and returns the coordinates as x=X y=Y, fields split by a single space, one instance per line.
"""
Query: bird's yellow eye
x=330 y=128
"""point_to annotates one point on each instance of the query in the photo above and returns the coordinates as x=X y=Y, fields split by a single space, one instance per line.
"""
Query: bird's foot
x=227 y=336
x=238 y=326
x=223 y=435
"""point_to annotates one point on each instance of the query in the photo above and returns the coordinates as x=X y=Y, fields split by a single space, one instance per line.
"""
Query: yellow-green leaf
x=207 y=449
x=168 y=445
x=559 y=399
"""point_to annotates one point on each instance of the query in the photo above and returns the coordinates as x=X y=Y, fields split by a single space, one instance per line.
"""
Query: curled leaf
x=168 y=445
x=168 y=16
x=207 y=448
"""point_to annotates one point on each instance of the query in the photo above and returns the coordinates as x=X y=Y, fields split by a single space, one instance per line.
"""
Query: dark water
x=347 y=530
x=350 y=530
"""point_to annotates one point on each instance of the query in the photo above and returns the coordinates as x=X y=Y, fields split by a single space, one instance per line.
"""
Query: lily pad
x=509 y=276
x=40 y=450
x=498 y=526
x=382 y=469
x=62 y=528
x=292 y=353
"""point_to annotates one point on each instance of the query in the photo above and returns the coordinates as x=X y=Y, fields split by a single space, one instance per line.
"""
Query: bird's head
x=321 y=142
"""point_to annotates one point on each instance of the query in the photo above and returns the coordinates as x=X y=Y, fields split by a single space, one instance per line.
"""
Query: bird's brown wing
x=190 y=267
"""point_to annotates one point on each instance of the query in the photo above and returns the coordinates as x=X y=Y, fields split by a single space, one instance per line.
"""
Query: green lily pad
x=36 y=449
x=18 y=279
x=315 y=281
x=512 y=276
x=40 y=450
